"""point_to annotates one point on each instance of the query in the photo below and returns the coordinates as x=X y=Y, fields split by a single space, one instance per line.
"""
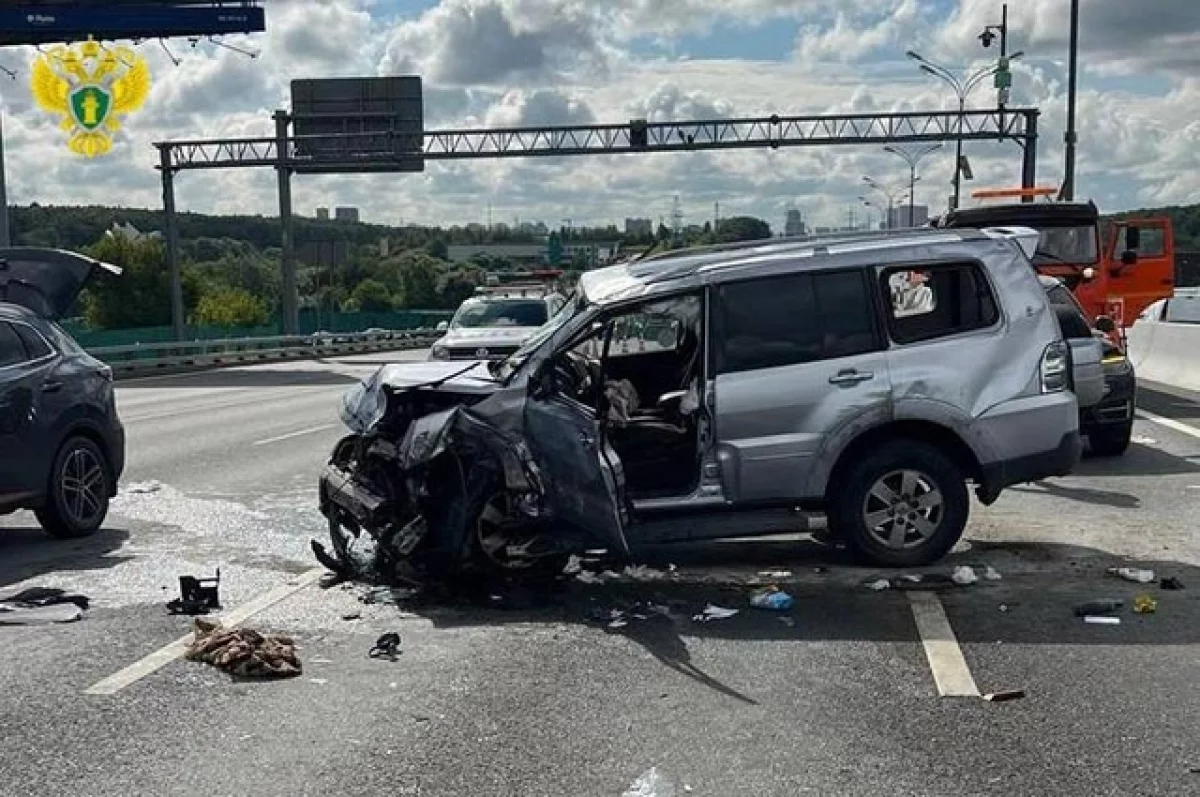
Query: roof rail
x=793 y=240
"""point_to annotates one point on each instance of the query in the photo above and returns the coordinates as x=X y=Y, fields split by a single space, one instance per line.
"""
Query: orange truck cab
x=1115 y=269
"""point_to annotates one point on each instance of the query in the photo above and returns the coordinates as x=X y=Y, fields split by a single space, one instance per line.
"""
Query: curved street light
x=889 y=192
x=962 y=87
x=912 y=158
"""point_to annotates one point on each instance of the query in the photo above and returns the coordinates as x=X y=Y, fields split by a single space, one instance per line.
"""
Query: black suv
x=62 y=447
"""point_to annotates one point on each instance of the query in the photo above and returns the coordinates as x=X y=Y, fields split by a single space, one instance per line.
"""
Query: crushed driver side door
x=583 y=475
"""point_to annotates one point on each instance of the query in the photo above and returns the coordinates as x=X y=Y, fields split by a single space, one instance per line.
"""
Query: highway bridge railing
x=146 y=359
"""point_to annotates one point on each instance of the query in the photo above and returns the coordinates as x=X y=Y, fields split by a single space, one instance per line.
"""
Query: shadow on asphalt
x=1087 y=495
x=1138 y=460
x=27 y=552
x=1169 y=402
x=1040 y=586
x=242 y=377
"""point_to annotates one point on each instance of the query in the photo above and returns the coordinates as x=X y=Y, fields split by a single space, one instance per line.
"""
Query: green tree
x=419 y=276
x=742 y=228
x=372 y=296
x=141 y=296
x=458 y=285
x=226 y=306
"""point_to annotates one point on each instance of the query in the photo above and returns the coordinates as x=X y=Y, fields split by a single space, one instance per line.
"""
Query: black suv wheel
x=77 y=496
x=904 y=504
x=1110 y=441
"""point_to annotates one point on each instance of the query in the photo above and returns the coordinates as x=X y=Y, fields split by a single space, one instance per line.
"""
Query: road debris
x=964 y=576
x=352 y=616
x=573 y=567
x=197 y=595
x=1098 y=607
x=712 y=612
x=143 y=488
x=41 y=606
x=772 y=598
x=991 y=574
x=1136 y=575
x=386 y=647
x=643 y=573
x=775 y=573
x=1095 y=620
x=1004 y=695
x=1145 y=604
x=878 y=585
x=650 y=783
x=244 y=652
x=1170 y=583
x=588 y=577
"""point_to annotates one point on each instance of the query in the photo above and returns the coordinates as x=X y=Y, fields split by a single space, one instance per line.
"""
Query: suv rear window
x=792 y=319
x=12 y=350
x=35 y=345
x=926 y=302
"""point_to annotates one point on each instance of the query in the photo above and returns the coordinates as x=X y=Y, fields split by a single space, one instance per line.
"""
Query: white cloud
x=541 y=62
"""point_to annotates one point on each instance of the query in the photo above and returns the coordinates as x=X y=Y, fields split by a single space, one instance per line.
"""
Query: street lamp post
x=962 y=87
x=888 y=193
x=912 y=158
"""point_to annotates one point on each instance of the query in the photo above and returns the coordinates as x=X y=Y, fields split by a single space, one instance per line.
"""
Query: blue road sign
x=47 y=23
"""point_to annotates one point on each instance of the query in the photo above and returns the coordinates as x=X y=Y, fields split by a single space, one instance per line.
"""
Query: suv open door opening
x=46 y=281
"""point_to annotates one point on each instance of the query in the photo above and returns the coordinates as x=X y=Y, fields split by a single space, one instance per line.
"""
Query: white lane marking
x=950 y=671
x=290 y=435
x=168 y=653
x=1170 y=423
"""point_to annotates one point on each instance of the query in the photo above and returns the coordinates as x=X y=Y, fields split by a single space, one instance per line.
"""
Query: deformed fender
x=461 y=431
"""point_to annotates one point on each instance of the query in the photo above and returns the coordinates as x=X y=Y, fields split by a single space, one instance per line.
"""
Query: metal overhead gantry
x=375 y=151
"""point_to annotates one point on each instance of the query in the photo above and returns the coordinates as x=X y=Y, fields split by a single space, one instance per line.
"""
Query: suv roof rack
x=798 y=240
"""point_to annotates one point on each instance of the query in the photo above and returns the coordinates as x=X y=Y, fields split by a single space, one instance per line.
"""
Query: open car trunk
x=46 y=281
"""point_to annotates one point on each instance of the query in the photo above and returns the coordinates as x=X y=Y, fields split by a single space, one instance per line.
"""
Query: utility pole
x=1068 y=186
x=912 y=159
x=5 y=233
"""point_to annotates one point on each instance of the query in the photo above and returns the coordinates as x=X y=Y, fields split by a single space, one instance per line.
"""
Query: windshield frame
x=476 y=301
x=1069 y=258
x=507 y=369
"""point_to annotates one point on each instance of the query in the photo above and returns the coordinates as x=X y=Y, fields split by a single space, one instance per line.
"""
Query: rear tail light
x=1055 y=366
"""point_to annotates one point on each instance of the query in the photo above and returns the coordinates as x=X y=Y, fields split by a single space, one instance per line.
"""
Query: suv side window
x=792 y=319
x=12 y=350
x=35 y=345
x=937 y=301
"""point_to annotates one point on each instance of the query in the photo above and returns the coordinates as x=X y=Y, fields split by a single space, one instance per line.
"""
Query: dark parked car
x=1108 y=422
x=62 y=447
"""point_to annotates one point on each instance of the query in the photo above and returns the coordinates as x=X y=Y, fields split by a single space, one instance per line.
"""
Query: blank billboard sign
x=362 y=124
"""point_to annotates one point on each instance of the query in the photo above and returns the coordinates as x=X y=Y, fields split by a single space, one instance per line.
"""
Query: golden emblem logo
x=90 y=87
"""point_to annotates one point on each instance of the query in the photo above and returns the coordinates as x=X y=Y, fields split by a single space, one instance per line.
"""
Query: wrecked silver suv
x=718 y=393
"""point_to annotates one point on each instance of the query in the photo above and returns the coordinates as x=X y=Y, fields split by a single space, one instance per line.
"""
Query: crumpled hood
x=476 y=336
x=364 y=404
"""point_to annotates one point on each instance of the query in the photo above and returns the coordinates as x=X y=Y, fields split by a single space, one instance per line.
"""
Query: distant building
x=533 y=228
x=323 y=214
x=898 y=216
x=346 y=214
x=598 y=253
x=794 y=223
x=639 y=227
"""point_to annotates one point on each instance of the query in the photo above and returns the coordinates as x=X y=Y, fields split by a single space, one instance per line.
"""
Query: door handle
x=52 y=387
x=850 y=377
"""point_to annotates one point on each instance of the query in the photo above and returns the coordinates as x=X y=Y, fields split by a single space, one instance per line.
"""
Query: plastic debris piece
x=1003 y=695
x=588 y=577
x=1098 y=607
x=772 y=598
x=1004 y=607
x=318 y=681
x=1170 y=583
x=13 y=614
x=713 y=612
x=1145 y=604
x=775 y=573
x=386 y=647
x=991 y=574
x=573 y=566
x=1094 y=620
x=912 y=578
x=643 y=573
x=1134 y=574
x=650 y=783
x=352 y=616
x=878 y=585
x=964 y=576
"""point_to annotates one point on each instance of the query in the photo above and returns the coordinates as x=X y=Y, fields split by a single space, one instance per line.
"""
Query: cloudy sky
x=532 y=62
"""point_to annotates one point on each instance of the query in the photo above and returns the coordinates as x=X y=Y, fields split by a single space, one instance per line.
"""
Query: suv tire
x=78 y=492
x=1110 y=441
x=903 y=504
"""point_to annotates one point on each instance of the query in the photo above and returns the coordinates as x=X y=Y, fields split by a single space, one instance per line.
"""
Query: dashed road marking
x=234 y=617
x=950 y=671
x=290 y=435
x=1170 y=423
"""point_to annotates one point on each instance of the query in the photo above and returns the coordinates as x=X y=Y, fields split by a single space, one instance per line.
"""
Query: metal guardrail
x=147 y=358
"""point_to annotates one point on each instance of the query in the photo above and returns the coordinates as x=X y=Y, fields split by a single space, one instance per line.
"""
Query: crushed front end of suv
x=774 y=387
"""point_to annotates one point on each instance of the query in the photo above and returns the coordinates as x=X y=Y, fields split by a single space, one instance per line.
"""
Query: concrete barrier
x=1167 y=352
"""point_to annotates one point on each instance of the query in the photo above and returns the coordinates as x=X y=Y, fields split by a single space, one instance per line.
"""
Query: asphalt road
x=836 y=696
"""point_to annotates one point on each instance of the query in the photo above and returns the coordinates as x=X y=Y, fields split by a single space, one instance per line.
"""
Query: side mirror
x=1128 y=257
x=443 y=326
x=1133 y=238
x=1106 y=325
